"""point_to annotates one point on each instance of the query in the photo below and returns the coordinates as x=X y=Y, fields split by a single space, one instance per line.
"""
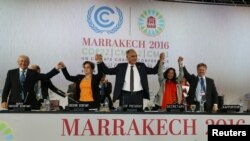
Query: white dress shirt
x=20 y=72
x=137 y=79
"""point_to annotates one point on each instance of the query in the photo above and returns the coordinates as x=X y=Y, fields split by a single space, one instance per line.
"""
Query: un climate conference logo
x=104 y=19
x=6 y=133
x=151 y=22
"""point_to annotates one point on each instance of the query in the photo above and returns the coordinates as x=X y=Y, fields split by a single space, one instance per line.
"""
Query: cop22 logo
x=6 y=133
x=104 y=19
x=151 y=22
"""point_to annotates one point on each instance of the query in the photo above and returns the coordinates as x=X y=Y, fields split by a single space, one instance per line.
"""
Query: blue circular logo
x=104 y=19
x=6 y=133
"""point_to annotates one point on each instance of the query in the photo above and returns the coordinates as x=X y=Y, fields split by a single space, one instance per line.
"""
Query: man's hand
x=215 y=108
x=180 y=61
x=67 y=94
x=162 y=57
x=98 y=58
x=4 y=105
x=60 y=65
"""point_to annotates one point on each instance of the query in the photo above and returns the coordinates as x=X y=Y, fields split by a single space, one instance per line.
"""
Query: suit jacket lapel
x=124 y=70
x=196 y=82
x=17 y=75
x=27 y=74
x=139 y=69
x=207 y=85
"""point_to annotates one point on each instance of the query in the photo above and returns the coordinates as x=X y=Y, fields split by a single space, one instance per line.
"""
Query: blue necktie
x=22 y=77
x=202 y=84
x=203 y=89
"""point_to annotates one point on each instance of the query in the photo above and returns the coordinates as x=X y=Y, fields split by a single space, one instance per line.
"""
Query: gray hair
x=24 y=57
x=130 y=50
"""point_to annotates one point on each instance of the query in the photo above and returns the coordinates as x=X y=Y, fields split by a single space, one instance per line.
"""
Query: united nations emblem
x=104 y=19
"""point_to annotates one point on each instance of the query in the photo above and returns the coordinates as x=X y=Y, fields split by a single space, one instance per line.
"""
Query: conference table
x=112 y=126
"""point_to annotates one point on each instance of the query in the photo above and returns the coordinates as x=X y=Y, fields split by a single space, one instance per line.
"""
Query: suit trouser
x=103 y=97
x=131 y=98
x=198 y=106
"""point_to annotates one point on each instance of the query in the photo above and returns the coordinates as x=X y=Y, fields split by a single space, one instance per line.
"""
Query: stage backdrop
x=74 y=31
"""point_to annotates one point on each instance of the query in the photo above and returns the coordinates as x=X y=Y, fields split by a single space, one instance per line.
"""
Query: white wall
x=51 y=31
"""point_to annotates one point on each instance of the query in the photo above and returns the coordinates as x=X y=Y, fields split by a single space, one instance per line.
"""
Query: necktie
x=22 y=77
x=202 y=84
x=131 y=79
x=203 y=89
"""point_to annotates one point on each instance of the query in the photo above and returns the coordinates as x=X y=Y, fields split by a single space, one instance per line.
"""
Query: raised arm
x=160 y=68
x=187 y=75
x=160 y=72
x=103 y=67
x=181 y=72
x=67 y=75
x=154 y=70
x=99 y=73
x=50 y=74
x=55 y=89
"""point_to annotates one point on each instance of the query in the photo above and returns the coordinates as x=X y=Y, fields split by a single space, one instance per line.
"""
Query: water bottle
x=185 y=104
x=203 y=99
x=47 y=104
x=201 y=106
x=38 y=96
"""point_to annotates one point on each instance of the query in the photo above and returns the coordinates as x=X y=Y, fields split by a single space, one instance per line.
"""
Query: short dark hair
x=92 y=65
x=166 y=73
x=201 y=65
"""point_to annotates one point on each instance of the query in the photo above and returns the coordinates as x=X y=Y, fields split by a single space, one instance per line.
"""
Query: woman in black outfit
x=87 y=84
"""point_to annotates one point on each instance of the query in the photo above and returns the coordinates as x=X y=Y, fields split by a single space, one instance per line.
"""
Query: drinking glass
x=193 y=107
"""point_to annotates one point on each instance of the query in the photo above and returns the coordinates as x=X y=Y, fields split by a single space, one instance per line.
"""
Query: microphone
x=26 y=97
x=73 y=100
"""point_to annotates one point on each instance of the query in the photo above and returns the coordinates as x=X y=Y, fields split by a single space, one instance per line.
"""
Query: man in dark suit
x=19 y=84
x=131 y=84
x=105 y=91
x=42 y=87
x=202 y=88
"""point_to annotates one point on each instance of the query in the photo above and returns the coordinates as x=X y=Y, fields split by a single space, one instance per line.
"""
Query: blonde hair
x=35 y=67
